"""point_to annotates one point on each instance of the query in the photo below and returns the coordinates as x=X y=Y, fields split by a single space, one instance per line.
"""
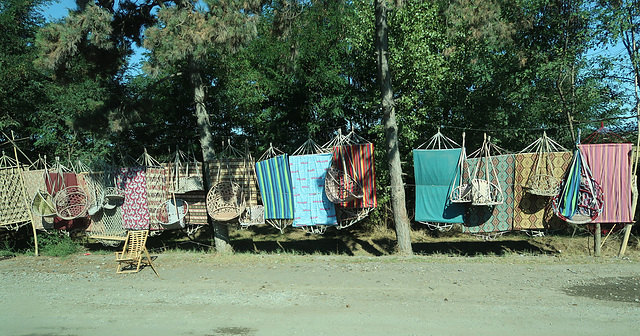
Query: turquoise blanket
x=310 y=203
x=435 y=171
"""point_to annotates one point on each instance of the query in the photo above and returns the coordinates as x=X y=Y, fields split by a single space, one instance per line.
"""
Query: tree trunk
x=220 y=231
x=401 y=220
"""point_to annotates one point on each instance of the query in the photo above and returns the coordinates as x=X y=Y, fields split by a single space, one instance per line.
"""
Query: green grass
x=58 y=245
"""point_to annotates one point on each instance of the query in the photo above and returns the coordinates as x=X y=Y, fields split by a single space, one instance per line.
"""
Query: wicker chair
x=134 y=254
x=340 y=187
x=225 y=201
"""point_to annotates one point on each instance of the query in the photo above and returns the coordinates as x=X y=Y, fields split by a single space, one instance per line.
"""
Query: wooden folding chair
x=134 y=253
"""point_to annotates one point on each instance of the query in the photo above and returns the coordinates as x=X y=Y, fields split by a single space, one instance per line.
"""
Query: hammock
x=485 y=185
x=580 y=198
x=274 y=180
x=353 y=156
x=312 y=207
x=434 y=183
x=542 y=181
x=14 y=207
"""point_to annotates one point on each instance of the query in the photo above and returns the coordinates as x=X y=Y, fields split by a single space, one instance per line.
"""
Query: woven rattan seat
x=71 y=202
x=134 y=254
x=340 y=187
x=225 y=201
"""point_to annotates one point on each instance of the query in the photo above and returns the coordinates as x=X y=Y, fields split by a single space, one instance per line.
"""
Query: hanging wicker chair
x=541 y=182
x=171 y=213
x=340 y=187
x=71 y=202
x=42 y=205
x=483 y=190
x=461 y=192
x=225 y=201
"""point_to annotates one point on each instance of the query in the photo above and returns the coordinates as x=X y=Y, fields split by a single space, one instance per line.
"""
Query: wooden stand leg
x=625 y=240
x=597 y=240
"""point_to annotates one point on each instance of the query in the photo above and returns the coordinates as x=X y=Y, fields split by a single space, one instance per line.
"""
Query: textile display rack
x=542 y=182
x=436 y=183
x=485 y=185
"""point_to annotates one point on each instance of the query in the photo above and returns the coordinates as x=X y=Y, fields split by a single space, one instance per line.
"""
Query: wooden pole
x=597 y=240
x=33 y=225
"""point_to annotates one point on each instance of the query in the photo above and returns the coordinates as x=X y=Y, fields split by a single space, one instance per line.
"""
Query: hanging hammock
x=225 y=199
x=435 y=182
x=580 y=199
x=313 y=211
x=274 y=180
x=542 y=182
x=353 y=157
x=485 y=189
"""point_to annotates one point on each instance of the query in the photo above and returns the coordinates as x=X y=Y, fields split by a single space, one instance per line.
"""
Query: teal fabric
x=435 y=171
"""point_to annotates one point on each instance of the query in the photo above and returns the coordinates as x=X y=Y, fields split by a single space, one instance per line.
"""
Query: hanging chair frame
x=483 y=191
x=541 y=181
x=225 y=199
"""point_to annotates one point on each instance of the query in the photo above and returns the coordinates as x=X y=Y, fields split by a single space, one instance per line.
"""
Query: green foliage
x=58 y=245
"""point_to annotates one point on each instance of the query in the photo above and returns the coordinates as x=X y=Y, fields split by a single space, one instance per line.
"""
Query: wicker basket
x=340 y=187
x=225 y=201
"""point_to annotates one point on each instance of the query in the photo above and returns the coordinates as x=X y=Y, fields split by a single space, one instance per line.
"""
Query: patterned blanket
x=533 y=212
x=498 y=218
x=310 y=203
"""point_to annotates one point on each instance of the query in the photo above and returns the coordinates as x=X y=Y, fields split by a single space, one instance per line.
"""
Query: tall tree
x=398 y=203
x=186 y=38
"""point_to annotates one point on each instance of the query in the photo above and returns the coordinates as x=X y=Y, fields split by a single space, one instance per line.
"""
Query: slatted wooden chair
x=134 y=253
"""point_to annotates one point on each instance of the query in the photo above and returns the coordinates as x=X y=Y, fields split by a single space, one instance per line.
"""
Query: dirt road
x=205 y=294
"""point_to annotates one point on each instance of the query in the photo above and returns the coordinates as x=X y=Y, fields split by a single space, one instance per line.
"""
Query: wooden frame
x=134 y=253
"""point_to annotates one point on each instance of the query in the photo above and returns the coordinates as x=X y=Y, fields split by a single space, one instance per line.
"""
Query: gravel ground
x=208 y=294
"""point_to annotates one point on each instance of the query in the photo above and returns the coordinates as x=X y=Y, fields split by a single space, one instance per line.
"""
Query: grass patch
x=58 y=245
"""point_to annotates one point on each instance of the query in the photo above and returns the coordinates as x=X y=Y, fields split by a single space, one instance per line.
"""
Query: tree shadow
x=471 y=248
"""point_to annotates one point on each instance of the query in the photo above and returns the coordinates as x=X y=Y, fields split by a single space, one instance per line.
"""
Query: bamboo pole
x=33 y=225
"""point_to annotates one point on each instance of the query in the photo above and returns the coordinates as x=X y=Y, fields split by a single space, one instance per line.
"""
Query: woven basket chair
x=225 y=201
x=171 y=213
x=71 y=202
x=340 y=187
x=42 y=205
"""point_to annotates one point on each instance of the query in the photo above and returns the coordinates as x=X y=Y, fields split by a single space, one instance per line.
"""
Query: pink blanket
x=610 y=165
